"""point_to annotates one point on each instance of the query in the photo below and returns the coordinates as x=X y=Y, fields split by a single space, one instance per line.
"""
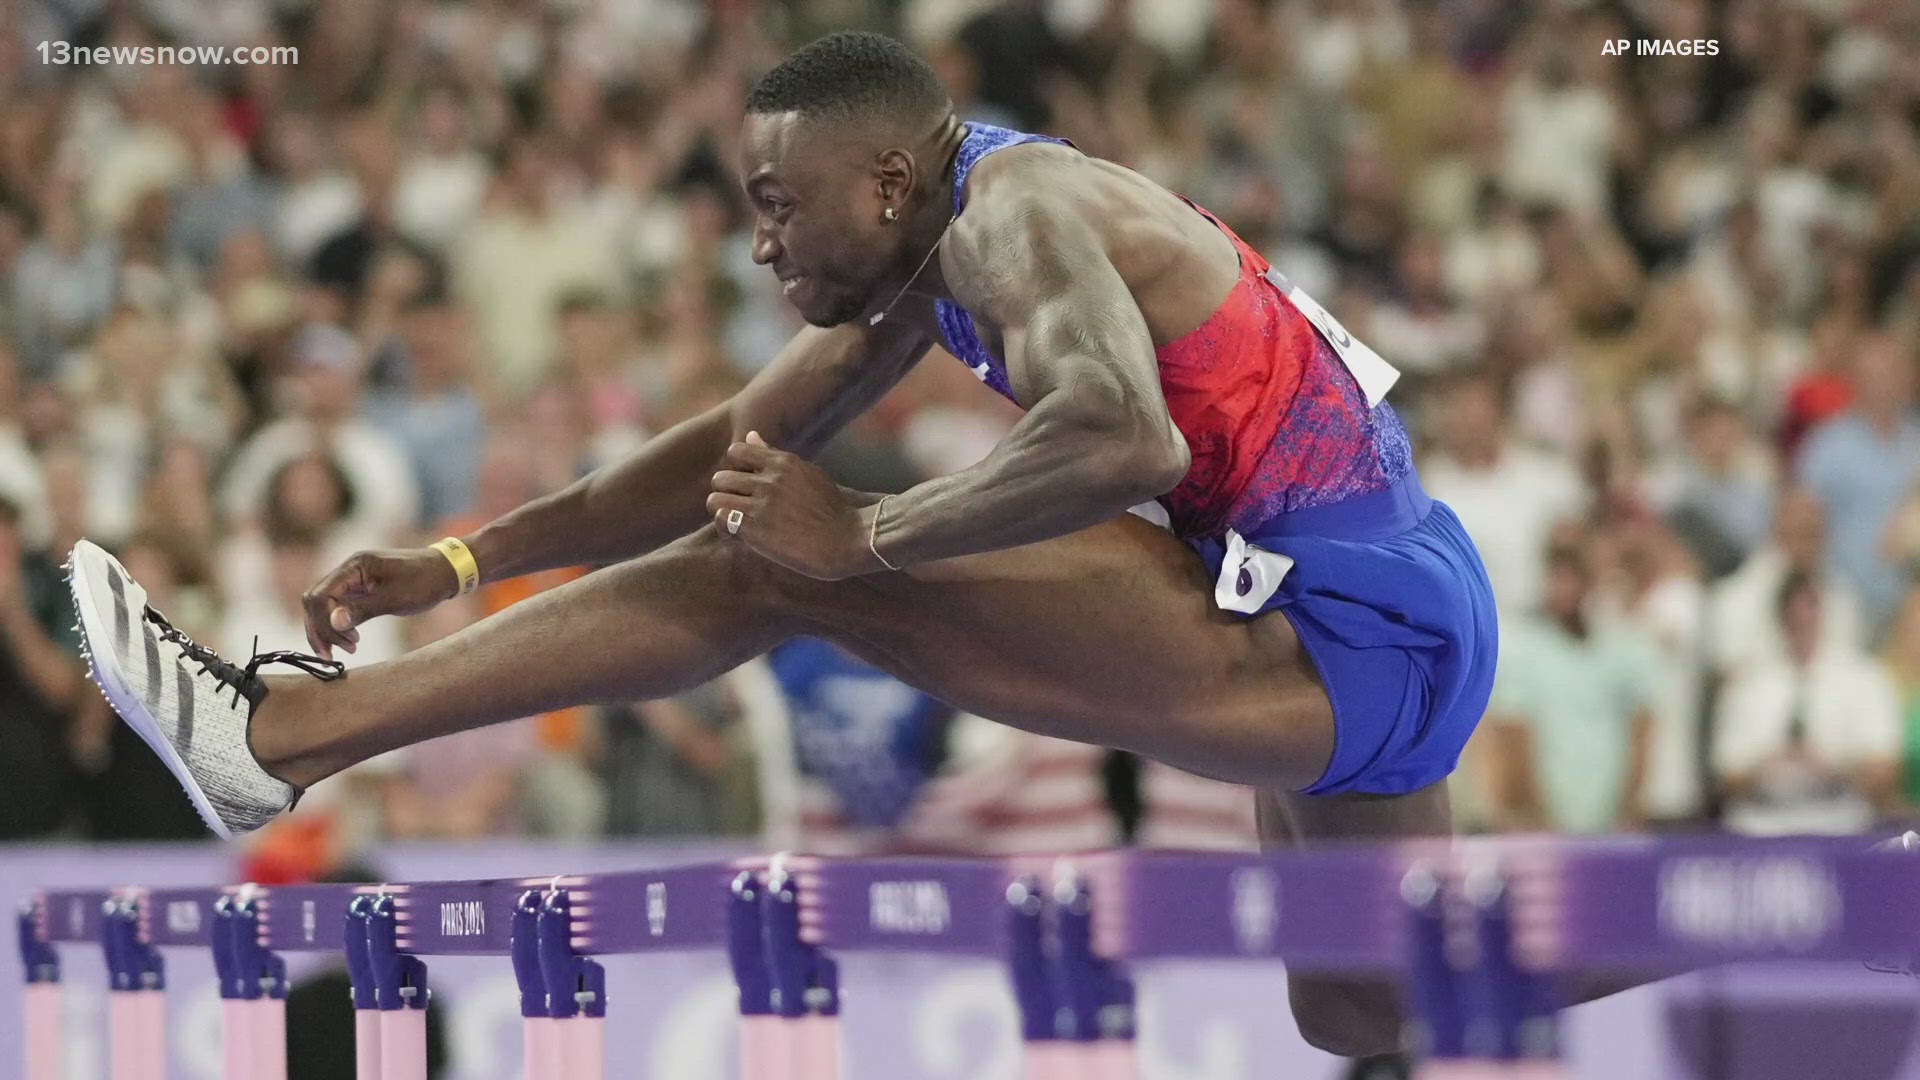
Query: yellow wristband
x=464 y=566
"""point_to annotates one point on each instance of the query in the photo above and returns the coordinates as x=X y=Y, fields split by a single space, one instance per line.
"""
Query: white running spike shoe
x=181 y=698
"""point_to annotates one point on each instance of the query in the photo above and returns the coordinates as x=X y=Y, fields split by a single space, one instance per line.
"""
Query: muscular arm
x=822 y=379
x=1096 y=437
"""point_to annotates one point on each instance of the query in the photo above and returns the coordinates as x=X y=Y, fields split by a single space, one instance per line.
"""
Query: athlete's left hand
x=790 y=512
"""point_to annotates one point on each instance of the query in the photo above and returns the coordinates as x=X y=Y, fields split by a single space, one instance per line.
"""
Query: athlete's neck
x=926 y=222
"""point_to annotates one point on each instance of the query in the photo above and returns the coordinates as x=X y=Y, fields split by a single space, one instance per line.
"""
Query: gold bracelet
x=464 y=566
x=873 y=530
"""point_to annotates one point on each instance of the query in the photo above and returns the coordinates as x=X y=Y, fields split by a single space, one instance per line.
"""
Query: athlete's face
x=818 y=198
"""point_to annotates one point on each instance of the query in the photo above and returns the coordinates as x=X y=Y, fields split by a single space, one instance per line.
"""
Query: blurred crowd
x=1659 y=317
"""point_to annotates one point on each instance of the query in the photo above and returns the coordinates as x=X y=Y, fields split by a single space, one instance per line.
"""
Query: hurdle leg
x=236 y=1048
x=1042 y=1055
x=40 y=999
x=40 y=1013
x=1095 y=993
x=366 y=1044
x=136 y=1035
x=540 y=1048
x=540 y=1055
x=366 y=1003
x=761 y=1053
x=584 y=1047
x=255 y=1039
x=1115 y=1059
x=123 y=1037
x=817 y=1039
x=400 y=991
x=270 y=1038
x=259 y=979
x=576 y=989
x=804 y=981
x=1459 y=1038
x=150 y=1014
x=765 y=1050
x=403 y=1044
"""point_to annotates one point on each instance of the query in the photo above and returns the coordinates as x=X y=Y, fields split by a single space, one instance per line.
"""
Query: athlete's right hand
x=372 y=583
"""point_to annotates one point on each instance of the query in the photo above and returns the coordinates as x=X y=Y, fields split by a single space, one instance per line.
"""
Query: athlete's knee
x=1346 y=1017
x=749 y=576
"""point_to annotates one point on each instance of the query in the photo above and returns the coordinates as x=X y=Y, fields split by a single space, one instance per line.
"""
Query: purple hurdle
x=805 y=979
x=761 y=1031
x=40 y=998
x=576 y=991
x=366 y=1003
x=136 y=1001
x=260 y=977
x=400 y=994
x=539 y=1036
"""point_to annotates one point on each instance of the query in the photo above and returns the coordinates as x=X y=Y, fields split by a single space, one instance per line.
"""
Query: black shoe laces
x=244 y=680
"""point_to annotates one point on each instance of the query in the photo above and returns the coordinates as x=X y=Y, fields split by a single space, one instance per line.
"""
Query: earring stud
x=889 y=213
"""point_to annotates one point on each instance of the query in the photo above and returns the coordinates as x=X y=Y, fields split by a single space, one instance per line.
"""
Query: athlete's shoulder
x=1021 y=172
x=1015 y=193
x=1017 y=239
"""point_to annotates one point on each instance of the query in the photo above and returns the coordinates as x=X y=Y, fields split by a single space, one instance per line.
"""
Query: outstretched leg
x=1353 y=1016
x=1107 y=636
x=1358 y=1016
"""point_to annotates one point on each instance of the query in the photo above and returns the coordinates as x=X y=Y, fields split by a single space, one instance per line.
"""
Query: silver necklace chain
x=918 y=270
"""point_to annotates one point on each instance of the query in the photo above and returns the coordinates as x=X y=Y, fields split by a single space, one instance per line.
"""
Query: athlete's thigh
x=1110 y=636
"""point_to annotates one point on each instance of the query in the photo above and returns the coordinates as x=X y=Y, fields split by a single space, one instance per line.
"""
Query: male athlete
x=1298 y=616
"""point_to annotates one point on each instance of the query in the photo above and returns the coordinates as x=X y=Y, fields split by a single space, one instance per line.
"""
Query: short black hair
x=851 y=74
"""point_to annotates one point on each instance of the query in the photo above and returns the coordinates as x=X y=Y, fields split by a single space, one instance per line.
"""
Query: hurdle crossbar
x=1068 y=926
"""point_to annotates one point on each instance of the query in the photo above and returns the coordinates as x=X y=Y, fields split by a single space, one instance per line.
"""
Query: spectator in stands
x=42 y=686
x=1507 y=494
x=1723 y=494
x=1809 y=741
x=1862 y=464
x=1742 y=627
x=1565 y=743
x=1902 y=658
x=531 y=246
x=437 y=417
x=62 y=280
x=1656 y=594
x=326 y=383
x=676 y=767
x=20 y=481
x=443 y=180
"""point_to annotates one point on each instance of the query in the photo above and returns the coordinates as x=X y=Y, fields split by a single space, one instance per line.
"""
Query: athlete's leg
x=1109 y=636
x=1344 y=1014
x=1352 y=1016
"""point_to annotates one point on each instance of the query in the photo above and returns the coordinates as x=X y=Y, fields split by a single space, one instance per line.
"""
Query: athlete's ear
x=893 y=174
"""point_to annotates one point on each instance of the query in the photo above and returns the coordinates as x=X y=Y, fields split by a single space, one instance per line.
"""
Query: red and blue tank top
x=1274 y=419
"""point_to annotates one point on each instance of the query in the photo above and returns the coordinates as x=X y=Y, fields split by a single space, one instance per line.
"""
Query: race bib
x=1369 y=369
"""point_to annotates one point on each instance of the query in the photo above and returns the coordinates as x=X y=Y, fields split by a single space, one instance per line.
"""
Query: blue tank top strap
x=963 y=338
x=981 y=140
